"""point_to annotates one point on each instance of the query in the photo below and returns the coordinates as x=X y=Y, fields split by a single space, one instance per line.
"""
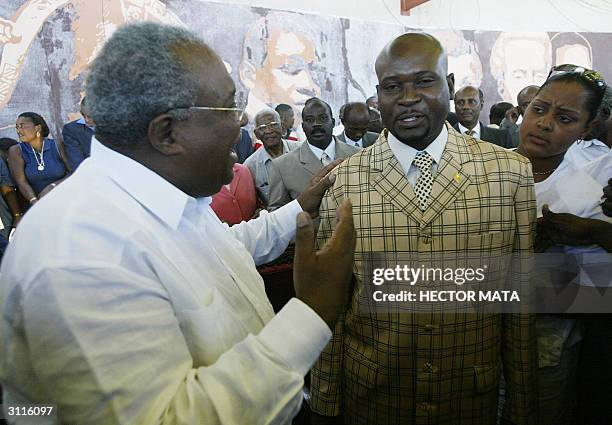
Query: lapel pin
x=457 y=178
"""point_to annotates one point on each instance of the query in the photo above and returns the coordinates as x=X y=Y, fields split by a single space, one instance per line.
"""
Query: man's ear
x=450 y=80
x=161 y=137
x=247 y=71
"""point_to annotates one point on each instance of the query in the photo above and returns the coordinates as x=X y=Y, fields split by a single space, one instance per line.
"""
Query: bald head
x=413 y=88
x=525 y=96
x=411 y=44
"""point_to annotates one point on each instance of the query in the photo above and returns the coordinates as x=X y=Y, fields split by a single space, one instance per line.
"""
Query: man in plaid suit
x=424 y=188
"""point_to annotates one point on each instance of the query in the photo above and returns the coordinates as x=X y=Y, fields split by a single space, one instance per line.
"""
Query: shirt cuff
x=297 y=334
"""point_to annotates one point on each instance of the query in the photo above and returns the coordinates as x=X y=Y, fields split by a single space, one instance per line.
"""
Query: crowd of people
x=147 y=306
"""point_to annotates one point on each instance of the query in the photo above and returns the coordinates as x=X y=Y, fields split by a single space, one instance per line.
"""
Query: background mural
x=274 y=56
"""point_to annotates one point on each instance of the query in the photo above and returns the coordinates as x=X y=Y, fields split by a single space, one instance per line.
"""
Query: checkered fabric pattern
x=422 y=189
x=431 y=367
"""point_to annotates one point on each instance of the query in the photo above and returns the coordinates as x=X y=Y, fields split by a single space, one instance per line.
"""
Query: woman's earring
x=38 y=134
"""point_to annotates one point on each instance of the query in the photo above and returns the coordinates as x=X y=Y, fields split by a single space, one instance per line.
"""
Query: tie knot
x=325 y=159
x=470 y=132
x=423 y=161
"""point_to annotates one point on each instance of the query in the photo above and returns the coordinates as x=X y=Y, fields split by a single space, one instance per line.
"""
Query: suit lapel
x=390 y=181
x=308 y=159
x=452 y=178
x=343 y=150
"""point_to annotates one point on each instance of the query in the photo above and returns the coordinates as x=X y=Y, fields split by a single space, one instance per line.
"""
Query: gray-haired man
x=145 y=308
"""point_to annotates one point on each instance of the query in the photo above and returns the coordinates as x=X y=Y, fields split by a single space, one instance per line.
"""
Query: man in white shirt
x=290 y=174
x=268 y=129
x=355 y=117
x=141 y=306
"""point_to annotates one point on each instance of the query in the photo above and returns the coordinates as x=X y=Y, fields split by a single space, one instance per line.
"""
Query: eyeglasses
x=270 y=124
x=593 y=77
x=239 y=112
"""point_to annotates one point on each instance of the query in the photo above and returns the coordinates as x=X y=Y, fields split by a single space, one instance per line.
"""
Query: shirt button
x=428 y=367
x=430 y=327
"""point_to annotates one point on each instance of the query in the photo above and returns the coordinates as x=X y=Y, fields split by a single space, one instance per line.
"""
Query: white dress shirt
x=476 y=130
x=351 y=142
x=577 y=190
x=405 y=155
x=125 y=301
x=330 y=150
x=585 y=151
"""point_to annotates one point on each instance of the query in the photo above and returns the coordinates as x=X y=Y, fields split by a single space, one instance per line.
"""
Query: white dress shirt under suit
x=405 y=155
x=125 y=301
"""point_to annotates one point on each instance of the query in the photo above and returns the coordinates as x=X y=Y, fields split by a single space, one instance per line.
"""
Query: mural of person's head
x=571 y=47
x=278 y=61
x=519 y=59
x=463 y=59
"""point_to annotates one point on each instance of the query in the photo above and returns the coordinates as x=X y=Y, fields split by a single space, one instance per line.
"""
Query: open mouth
x=410 y=120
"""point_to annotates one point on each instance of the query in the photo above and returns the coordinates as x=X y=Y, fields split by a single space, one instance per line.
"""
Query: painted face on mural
x=525 y=65
x=286 y=74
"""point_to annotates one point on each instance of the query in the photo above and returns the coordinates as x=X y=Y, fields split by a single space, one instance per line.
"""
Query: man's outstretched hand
x=322 y=278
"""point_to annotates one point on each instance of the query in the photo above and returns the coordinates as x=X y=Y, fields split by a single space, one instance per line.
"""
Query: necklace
x=41 y=163
x=544 y=173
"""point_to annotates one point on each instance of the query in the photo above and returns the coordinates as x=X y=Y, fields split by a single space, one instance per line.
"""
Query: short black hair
x=316 y=99
x=498 y=111
x=6 y=143
x=37 y=120
x=283 y=107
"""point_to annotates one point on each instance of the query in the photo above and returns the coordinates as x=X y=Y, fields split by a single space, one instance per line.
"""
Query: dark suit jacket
x=244 y=148
x=452 y=118
x=368 y=139
x=77 y=142
x=492 y=135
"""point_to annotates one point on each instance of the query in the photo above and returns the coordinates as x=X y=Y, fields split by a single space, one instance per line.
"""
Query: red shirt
x=239 y=203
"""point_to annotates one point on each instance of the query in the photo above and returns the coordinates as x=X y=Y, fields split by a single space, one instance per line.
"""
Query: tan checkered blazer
x=385 y=368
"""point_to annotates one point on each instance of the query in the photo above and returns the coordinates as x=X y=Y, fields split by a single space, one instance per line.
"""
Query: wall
x=47 y=45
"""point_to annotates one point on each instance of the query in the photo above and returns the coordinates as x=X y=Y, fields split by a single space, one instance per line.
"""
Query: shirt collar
x=147 y=187
x=82 y=121
x=265 y=156
x=405 y=154
x=593 y=142
x=476 y=130
x=359 y=142
x=330 y=150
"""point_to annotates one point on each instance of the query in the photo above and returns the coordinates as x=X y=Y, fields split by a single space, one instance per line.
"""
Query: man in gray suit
x=289 y=174
x=468 y=105
x=355 y=117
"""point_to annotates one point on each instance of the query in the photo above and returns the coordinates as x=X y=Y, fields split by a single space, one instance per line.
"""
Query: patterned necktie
x=325 y=159
x=423 y=161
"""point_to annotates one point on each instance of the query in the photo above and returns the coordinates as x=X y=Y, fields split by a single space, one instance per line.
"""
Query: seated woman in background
x=564 y=111
x=36 y=164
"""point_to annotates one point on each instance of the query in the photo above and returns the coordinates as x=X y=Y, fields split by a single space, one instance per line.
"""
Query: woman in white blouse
x=563 y=111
